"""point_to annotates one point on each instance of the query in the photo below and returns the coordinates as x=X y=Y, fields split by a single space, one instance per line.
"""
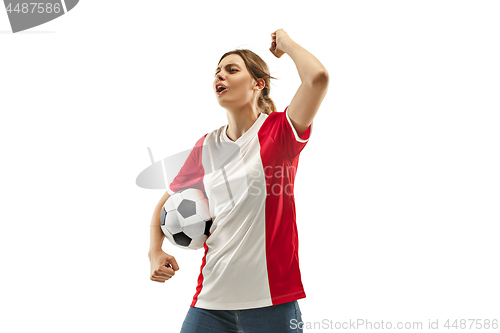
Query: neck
x=240 y=120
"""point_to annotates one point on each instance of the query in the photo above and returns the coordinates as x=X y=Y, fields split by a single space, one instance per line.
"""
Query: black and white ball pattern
x=185 y=219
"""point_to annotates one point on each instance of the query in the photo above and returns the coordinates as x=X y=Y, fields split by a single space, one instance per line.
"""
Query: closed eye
x=231 y=70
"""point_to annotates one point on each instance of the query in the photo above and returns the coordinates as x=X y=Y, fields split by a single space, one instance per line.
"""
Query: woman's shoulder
x=274 y=117
x=216 y=134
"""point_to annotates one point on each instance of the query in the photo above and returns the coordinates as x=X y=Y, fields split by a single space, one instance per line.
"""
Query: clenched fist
x=163 y=266
x=279 y=39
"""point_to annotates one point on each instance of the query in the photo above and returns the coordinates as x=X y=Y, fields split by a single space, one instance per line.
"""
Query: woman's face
x=235 y=77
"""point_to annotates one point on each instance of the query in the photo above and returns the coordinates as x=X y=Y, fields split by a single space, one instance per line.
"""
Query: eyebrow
x=228 y=65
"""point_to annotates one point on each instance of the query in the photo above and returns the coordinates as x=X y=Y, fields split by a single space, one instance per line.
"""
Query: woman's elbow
x=321 y=78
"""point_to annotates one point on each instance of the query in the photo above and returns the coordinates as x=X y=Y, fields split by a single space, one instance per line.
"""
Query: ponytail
x=266 y=104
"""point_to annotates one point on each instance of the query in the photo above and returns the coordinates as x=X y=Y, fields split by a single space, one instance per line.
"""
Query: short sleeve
x=191 y=174
x=285 y=135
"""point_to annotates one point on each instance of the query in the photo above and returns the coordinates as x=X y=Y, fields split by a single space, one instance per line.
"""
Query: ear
x=260 y=84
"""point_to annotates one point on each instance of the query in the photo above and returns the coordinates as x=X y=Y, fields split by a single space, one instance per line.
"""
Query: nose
x=218 y=78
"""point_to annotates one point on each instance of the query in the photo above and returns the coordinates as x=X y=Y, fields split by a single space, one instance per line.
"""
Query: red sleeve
x=192 y=172
x=285 y=136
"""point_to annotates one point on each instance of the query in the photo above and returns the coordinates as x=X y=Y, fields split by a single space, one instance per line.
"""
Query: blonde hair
x=259 y=70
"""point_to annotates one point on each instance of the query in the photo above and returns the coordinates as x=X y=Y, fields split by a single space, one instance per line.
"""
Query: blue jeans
x=280 y=318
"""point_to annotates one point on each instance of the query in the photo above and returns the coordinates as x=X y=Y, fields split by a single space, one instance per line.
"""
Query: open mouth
x=221 y=89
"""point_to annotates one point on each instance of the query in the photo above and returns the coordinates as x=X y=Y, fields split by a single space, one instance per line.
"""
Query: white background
x=397 y=191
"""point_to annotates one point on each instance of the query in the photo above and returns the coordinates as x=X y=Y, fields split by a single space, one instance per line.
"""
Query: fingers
x=173 y=263
x=274 y=44
x=273 y=35
x=273 y=38
x=164 y=271
x=163 y=268
x=162 y=274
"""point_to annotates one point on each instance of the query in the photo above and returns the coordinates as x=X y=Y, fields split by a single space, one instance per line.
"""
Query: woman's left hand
x=279 y=38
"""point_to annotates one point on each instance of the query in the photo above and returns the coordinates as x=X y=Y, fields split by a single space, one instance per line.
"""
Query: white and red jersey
x=251 y=256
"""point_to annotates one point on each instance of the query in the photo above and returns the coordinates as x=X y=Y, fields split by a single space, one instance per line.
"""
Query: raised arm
x=314 y=76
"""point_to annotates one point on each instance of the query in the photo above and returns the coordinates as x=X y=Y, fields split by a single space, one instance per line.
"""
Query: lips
x=220 y=88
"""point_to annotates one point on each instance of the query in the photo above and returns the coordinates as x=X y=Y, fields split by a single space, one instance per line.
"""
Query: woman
x=250 y=279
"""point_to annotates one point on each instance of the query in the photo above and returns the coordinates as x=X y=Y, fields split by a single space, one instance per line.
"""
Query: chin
x=223 y=103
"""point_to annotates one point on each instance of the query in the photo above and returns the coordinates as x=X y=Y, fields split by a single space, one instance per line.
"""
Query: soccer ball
x=185 y=219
